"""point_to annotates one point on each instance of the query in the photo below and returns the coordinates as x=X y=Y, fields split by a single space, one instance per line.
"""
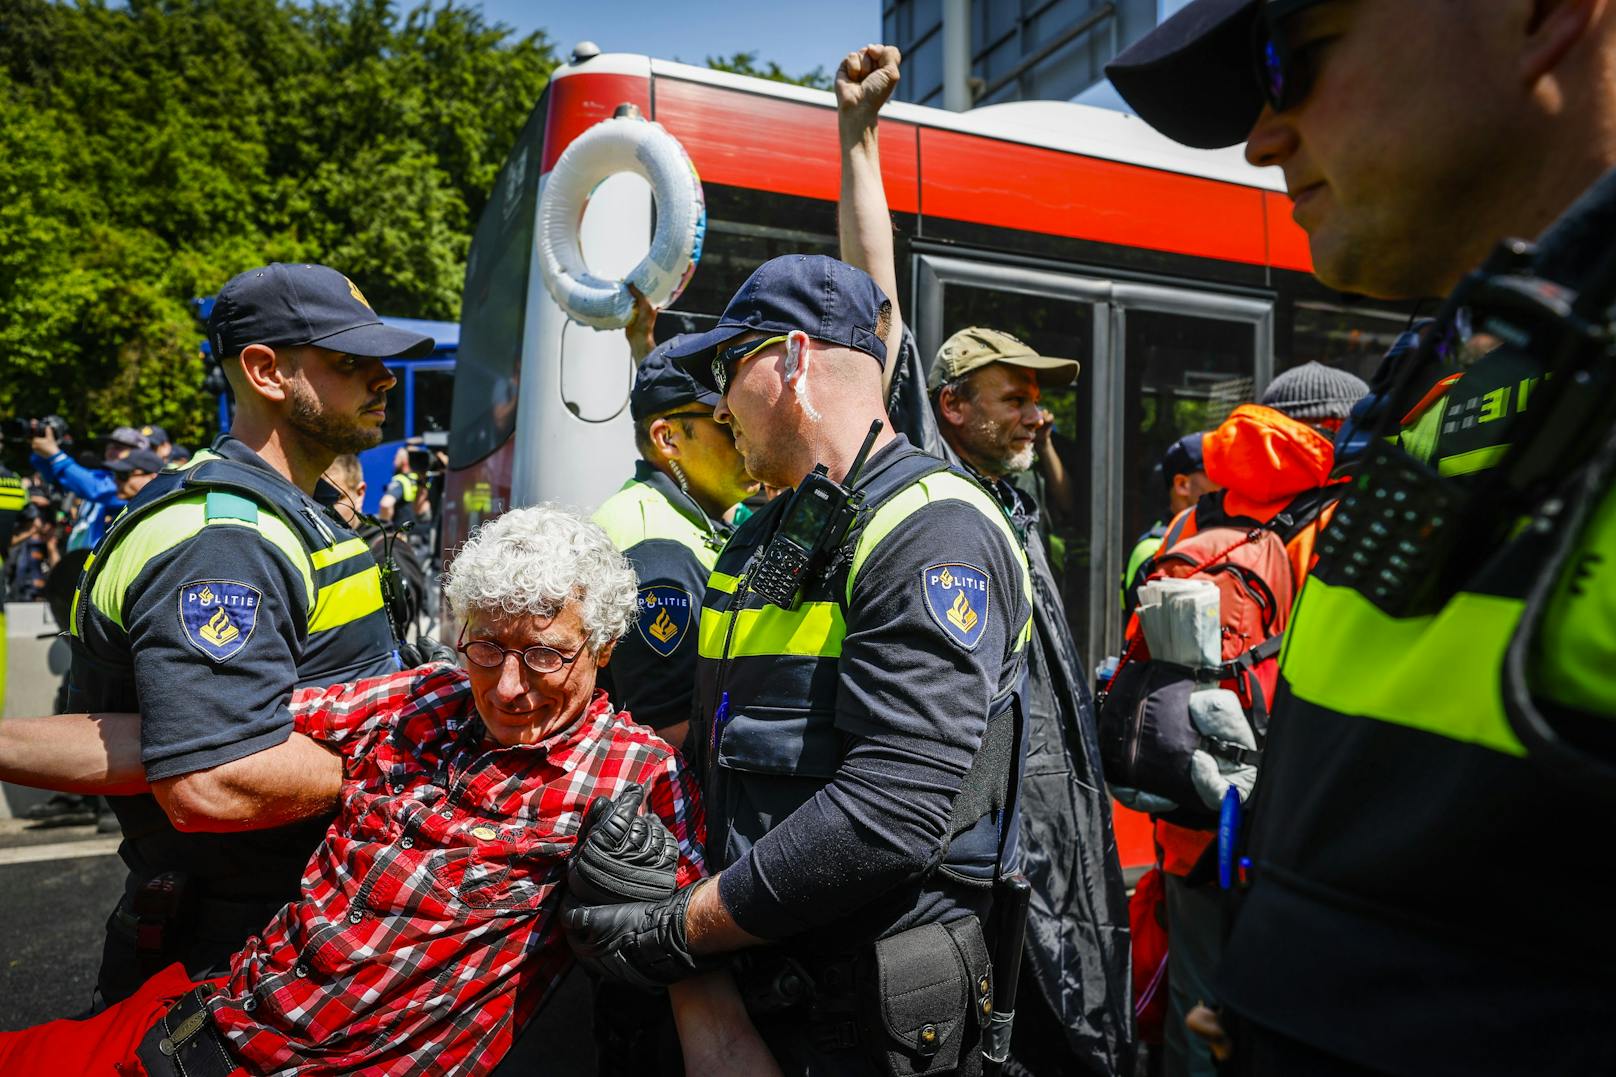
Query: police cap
x=1193 y=78
x=289 y=305
x=661 y=385
x=824 y=297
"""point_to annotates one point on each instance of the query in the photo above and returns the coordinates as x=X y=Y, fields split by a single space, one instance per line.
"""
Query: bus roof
x=1057 y=125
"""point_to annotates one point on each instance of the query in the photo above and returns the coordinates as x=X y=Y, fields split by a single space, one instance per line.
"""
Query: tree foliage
x=746 y=63
x=151 y=150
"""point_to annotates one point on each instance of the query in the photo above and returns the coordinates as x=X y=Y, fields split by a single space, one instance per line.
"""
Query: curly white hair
x=533 y=561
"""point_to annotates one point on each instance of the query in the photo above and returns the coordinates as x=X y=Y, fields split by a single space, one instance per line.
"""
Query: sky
x=799 y=37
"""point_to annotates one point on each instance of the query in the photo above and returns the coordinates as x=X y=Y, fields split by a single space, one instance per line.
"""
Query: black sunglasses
x=727 y=359
x=1285 y=74
x=490 y=655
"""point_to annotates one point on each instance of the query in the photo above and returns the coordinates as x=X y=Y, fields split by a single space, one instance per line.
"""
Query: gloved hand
x=621 y=854
x=1217 y=713
x=425 y=651
x=640 y=943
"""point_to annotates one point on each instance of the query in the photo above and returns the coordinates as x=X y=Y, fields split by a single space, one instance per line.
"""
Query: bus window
x=1181 y=374
x=493 y=311
x=1352 y=338
x=434 y=400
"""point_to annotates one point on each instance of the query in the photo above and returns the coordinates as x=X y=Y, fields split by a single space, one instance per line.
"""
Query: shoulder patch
x=218 y=616
x=664 y=617
x=957 y=597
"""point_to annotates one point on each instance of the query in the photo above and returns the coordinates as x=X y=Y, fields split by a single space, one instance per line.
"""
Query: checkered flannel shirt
x=427 y=930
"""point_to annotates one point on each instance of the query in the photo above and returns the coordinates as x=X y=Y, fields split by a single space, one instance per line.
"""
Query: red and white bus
x=1176 y=276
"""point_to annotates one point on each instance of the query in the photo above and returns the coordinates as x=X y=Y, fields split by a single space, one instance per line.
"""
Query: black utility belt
x=917 y=1001
x=184 y=1042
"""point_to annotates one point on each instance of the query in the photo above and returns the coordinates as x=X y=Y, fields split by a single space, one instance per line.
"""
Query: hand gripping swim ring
x=620 y=144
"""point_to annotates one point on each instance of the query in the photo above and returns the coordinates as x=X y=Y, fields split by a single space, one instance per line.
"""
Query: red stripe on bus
x=785 y=147
x=578 y=102
x=1032 y=189
x=1287 y=243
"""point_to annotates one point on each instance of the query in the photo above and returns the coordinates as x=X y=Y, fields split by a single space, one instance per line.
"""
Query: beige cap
x=976 y=347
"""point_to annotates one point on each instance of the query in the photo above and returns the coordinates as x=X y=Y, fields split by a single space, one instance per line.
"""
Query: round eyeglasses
x=490 y=655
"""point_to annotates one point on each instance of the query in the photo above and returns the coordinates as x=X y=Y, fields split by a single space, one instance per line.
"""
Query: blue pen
x=720 y=716
x=1228 y=834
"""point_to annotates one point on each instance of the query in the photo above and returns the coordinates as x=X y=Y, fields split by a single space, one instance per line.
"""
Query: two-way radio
x=813 y=527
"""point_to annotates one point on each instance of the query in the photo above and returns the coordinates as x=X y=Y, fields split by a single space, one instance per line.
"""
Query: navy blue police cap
x=1193 y=77
x=824 y=297
x=660 y=385
x=1183 y=457
x=289 y=305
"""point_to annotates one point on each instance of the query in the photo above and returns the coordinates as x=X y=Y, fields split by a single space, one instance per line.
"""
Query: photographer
x=98 y=488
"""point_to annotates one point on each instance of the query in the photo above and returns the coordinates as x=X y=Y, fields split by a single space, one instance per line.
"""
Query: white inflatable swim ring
x=620 y=144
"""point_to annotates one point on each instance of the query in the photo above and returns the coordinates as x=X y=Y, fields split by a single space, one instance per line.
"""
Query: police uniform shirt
x=914 y=689
x=217 y=624
x=673 y=546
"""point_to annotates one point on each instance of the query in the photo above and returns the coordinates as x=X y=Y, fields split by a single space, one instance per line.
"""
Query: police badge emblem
x=957 y=599
x=664 y=617
x=218 y=616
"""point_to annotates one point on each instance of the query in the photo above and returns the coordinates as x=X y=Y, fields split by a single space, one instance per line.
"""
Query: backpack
x=1149 y=741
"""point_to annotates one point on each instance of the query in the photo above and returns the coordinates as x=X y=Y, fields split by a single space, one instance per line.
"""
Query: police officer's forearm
x=709 y=926
x=296 y=779
x=74 y=753
x=715 y=1034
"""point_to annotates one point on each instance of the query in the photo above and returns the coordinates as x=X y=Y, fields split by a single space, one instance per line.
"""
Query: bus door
x=1158 y=363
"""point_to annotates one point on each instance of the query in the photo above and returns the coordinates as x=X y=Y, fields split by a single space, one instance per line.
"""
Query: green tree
x=746 y=63
x=149 y=151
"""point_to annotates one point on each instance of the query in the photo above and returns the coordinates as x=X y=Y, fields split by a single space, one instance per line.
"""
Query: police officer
x=1406 y=826
x=221 y=588
x=669 y=520
x=857 y=734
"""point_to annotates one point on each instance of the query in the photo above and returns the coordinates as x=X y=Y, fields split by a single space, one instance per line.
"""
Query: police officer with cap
x=1447 y=689
x=222 y=587
x=669 y=520
x=856 y=715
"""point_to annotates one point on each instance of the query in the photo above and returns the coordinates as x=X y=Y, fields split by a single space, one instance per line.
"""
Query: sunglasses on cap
x=727 y=359
x=1285 y=72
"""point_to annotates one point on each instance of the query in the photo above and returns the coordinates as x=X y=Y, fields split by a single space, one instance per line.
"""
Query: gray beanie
x=1314 y=391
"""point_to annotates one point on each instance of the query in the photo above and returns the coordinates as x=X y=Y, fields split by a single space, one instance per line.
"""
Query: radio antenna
x=863 y=454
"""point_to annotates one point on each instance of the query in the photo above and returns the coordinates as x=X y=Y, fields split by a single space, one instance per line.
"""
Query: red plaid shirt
x=427 y=932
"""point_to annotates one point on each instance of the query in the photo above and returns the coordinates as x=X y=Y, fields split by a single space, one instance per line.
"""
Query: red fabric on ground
x=99 y=1046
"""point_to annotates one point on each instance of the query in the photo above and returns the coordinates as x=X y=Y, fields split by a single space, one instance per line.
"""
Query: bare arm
x=74 y=753
x=297 y=779
x=709 y=926
x=640 y=327
x=864 y=81
x=715 y=1033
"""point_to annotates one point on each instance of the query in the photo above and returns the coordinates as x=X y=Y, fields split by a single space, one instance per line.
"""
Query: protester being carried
x=425 y=932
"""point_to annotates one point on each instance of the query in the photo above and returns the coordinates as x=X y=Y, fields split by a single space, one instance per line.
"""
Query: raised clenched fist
x=865 y=79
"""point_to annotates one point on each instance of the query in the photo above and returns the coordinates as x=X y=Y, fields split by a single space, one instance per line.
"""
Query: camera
x=25 y=430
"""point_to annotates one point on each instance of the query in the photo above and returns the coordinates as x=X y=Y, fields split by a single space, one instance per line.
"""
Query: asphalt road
x=50 y=931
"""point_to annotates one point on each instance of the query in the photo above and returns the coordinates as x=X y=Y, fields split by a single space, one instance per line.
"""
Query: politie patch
x=664 y=619
x=219 y=616
x=957 y=596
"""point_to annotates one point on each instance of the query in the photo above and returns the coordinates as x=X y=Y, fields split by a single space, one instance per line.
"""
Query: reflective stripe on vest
x=409 y=485
x=816 y=629
x=12 y=494
x=1439 y=673
x=338 y=589
x=638 y=512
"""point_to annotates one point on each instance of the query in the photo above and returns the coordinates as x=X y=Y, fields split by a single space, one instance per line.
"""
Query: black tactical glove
x=423 y=652
x=622 y=855
x=640 y=942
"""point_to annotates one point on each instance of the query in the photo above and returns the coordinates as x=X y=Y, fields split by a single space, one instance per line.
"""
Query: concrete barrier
x=36 y=660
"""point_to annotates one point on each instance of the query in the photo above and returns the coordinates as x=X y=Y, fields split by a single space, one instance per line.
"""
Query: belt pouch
x=933 y=986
